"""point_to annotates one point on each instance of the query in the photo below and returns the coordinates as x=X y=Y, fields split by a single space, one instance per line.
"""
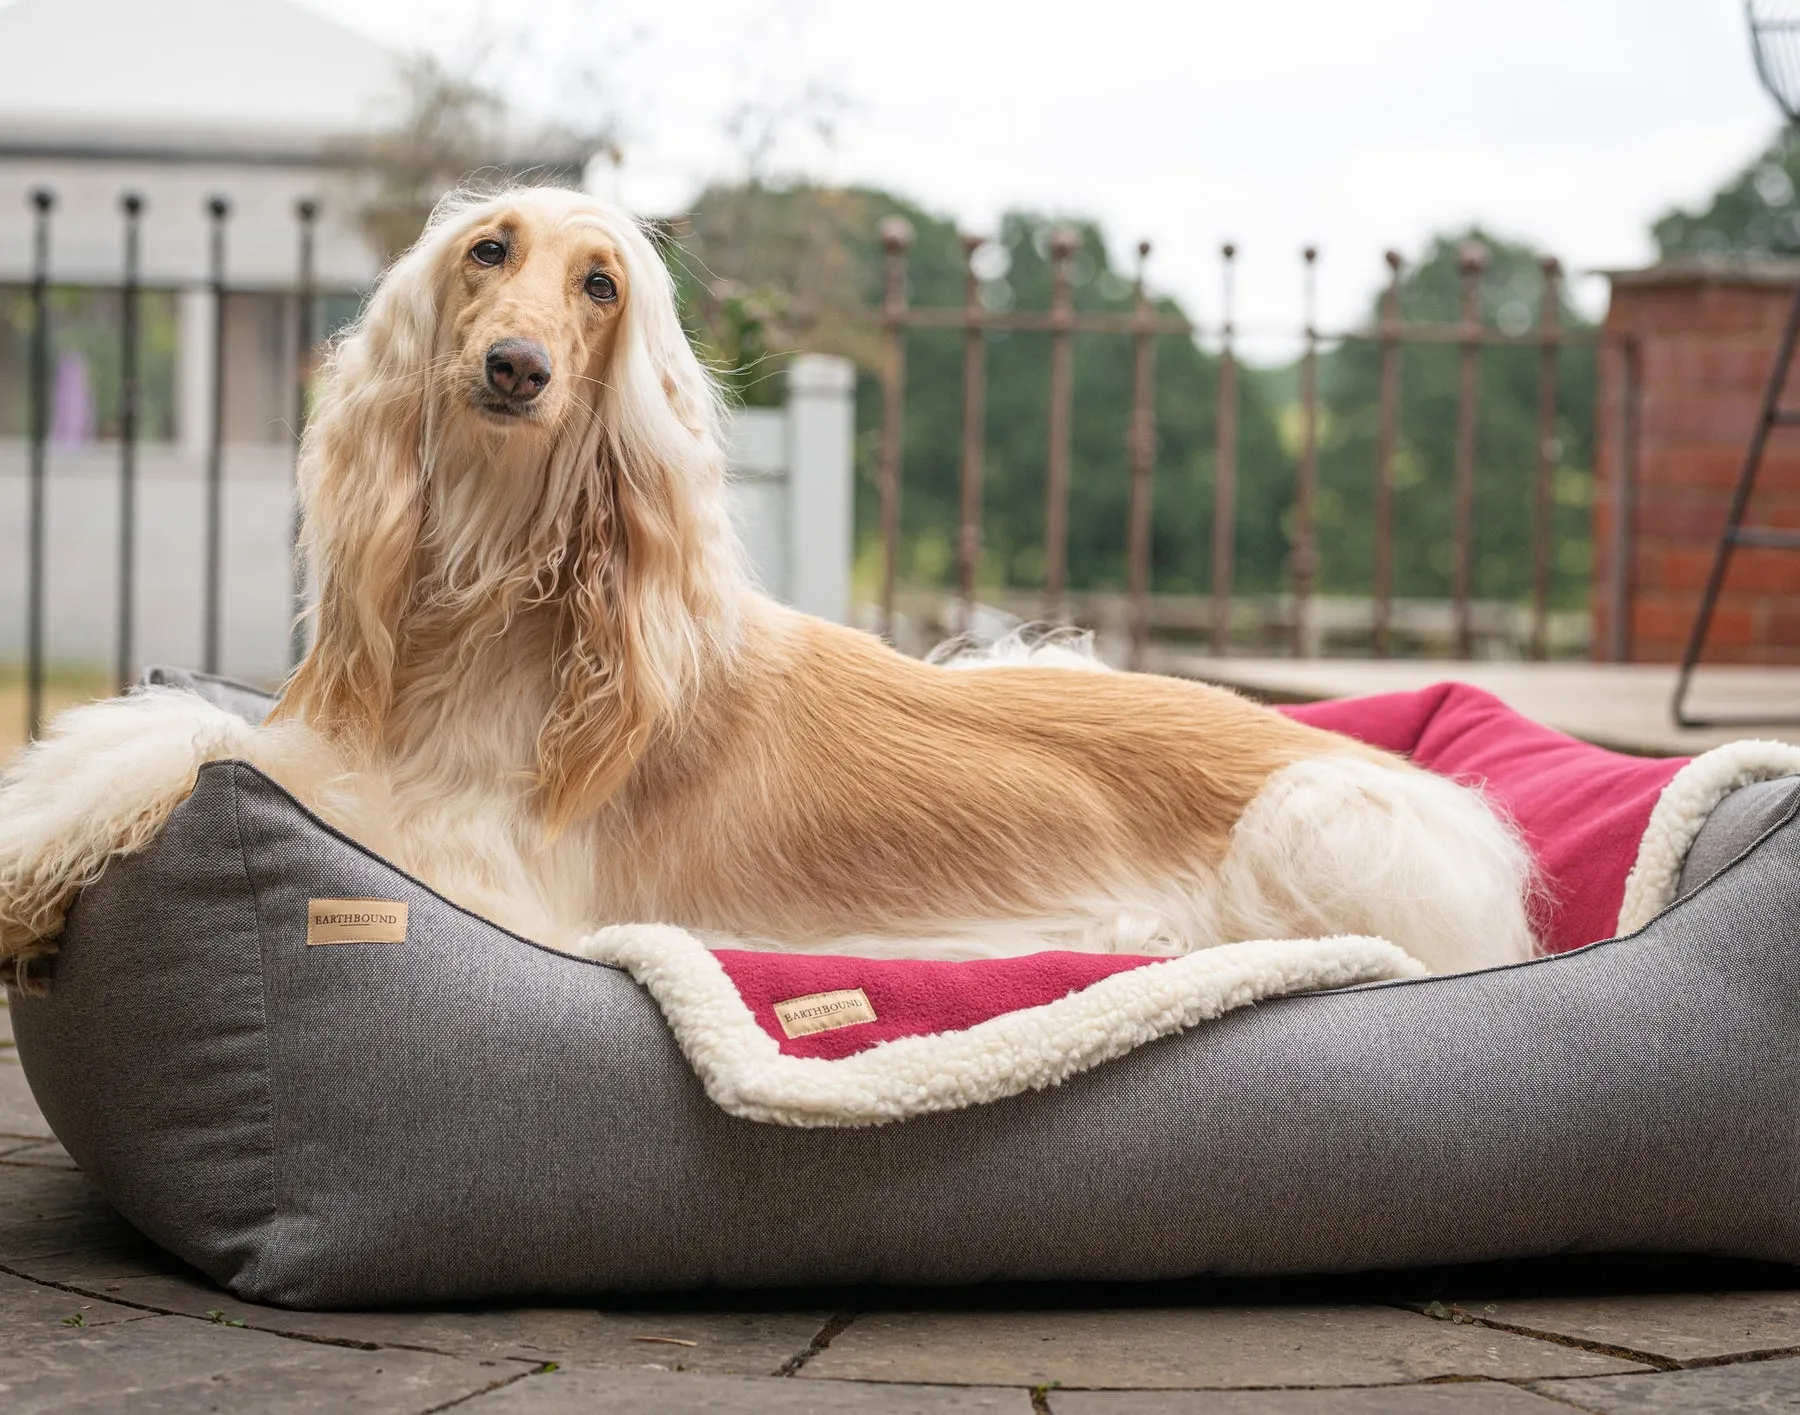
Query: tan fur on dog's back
x=959 y=794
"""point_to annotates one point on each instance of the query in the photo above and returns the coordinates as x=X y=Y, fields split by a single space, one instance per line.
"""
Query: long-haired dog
x=543 y=681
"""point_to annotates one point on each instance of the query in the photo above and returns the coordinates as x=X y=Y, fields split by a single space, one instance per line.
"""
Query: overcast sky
x=1356 y=126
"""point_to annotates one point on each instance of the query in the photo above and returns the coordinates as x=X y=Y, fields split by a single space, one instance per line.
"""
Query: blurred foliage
x=764 y=272
x=1755 y=212
x=453 y=131
x=85 y=322
x=1425 y=455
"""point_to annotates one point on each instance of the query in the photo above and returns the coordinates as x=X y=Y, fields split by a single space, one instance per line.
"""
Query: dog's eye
x=602 y=288
x=487 y=252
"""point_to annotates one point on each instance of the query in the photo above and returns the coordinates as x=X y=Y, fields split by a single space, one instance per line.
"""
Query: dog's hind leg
x=100 y=784
x=1345 y=844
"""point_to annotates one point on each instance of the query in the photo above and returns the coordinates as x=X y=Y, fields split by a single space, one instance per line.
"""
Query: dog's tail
x=1347 y=844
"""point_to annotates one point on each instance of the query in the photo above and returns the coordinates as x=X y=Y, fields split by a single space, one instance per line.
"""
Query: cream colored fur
x=542 y=681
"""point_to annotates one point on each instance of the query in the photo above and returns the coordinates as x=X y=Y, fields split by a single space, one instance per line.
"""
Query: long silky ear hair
x=362 y=494
x=653 y=576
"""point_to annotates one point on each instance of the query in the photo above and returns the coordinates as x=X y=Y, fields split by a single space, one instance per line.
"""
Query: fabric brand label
x=355 y=921
x=824 y=1012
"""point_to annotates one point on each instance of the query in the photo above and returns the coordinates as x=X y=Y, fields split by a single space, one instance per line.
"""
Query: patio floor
x=1623 y=706
x=96 y=1319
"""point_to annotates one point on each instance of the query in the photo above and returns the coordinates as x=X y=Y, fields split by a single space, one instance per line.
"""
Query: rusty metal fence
x=1143 y=325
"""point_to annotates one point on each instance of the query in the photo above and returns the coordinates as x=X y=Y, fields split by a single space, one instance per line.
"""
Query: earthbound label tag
x=355 y=921
x=824 y=1012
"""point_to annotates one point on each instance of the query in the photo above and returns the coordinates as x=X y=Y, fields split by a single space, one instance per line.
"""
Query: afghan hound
x=543 y=681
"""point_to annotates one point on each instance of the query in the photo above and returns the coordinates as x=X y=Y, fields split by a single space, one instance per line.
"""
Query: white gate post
x=820 y=509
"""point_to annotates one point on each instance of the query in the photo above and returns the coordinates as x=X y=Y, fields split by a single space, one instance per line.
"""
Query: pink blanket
x=1582 y=809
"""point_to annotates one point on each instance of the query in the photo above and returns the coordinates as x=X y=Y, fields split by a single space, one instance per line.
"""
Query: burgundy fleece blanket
x=1582 y=809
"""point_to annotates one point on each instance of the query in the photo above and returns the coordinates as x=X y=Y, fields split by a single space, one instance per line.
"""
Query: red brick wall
x=1704 y=341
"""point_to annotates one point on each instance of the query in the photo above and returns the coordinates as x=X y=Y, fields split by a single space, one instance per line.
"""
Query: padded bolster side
x=1736 y=823
x=251 y=704
x=149 y=1053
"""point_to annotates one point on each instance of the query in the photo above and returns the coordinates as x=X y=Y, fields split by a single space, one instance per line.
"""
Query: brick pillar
x=1686 y=353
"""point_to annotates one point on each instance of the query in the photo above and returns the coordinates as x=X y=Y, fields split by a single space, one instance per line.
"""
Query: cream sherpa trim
x=1682 y=810
x=745 y=1073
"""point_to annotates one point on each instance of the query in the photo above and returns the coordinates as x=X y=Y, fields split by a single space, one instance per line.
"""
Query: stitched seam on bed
x=262 y=1257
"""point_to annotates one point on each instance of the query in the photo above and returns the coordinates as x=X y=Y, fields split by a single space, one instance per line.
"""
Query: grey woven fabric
x=467 y=1115
x=251 y=704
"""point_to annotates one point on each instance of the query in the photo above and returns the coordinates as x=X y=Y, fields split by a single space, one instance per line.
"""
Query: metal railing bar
x=1548 y=454
x=1141 y=454
x=1387 y=441
x=1470 y=263
x=1113 y=322
x=1063 y=245
x=132 y=205
x=306 y=213
x=43 y=201
x=218 y=209
x=974 y=431
x=1306 y=472
x=896 y=240
x=1224 y=547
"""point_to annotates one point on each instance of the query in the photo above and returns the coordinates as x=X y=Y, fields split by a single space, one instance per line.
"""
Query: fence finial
x=896 y=234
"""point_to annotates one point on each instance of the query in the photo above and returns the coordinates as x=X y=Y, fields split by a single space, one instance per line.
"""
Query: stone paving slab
x=726 y=1343
x=46 y=1154
x=1675 y=1326
x=1745 y=1388
x=1454 y=1398
x=175 y=1364
x=601 y=1392
x=54 y=1228
x=19 y=1114
x=30 y=1310
x=53 y=1221
x=1179 y=1348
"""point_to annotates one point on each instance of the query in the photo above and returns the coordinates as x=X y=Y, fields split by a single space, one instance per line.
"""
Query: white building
x=261 y=102
x=266 y=104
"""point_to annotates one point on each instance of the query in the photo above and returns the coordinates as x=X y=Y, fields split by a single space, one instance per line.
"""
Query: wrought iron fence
x=306 y=294
x=1143 y=325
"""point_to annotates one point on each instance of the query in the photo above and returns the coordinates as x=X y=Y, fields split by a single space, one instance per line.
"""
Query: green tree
x=1506 y=440
x=766 y=271
x=1755 y=212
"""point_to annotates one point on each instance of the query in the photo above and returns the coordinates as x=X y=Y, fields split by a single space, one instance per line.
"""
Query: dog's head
x=517 y=419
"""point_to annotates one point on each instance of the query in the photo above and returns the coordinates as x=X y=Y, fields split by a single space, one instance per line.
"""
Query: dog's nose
x=518 y=369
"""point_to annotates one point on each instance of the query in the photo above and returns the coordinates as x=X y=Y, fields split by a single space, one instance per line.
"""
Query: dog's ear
x=613 y=687
x=653 y=576
x=362 y=501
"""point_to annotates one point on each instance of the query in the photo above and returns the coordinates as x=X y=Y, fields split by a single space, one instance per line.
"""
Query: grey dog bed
x=473 y=1116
